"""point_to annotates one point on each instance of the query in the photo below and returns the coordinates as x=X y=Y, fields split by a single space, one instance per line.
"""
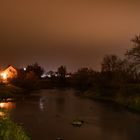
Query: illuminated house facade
x=8 y=73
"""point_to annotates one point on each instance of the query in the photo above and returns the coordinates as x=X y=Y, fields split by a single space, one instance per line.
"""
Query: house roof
x=8 y=67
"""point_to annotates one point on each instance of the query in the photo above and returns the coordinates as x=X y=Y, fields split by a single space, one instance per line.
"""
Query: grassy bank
x=126 y=95
x=131 y=102
x=10 y=130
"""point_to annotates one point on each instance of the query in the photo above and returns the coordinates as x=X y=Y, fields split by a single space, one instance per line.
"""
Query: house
x=8 y=73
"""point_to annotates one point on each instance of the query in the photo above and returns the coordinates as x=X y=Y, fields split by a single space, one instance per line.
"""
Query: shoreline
x=132 y=103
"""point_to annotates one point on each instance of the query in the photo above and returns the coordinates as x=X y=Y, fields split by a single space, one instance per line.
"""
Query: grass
x=10 y=130
x=131 y=102
x=128 y=95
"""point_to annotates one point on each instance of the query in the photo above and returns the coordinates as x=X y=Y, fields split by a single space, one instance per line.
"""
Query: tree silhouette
x=111 y=63
x=38 y=70
x=83 y=78
x=115 y=69
x=61 y=79
x=134 y=53
x=62 y=71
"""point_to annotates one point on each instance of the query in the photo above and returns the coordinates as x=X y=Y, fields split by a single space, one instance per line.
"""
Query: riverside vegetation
x=10 y=130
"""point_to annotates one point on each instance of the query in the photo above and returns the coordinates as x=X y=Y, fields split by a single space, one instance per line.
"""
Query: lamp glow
x=4 y=76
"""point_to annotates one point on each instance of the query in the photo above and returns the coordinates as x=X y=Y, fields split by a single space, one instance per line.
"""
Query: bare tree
x=119 y=68
x=111 y=63
x=134 y=53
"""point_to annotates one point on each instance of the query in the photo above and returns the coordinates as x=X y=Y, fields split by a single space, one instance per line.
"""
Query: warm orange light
x=2 y=105
x=4 y=76
x=2 y=114
x=7 y=105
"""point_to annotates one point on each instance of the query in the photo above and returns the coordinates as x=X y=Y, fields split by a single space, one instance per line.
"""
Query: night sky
x=75 y=33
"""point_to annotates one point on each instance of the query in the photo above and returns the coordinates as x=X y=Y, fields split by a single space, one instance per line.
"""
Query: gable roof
x=9 y=67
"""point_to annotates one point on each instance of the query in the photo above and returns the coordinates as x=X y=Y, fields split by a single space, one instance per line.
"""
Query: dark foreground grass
x=10 y=130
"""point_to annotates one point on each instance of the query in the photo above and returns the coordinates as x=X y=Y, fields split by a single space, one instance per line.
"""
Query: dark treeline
x=118 y=79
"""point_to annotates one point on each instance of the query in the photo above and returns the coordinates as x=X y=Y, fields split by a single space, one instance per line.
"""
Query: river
x=47 y=115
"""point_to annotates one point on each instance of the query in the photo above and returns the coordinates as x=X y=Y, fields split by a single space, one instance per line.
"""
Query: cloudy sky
x=75 y=33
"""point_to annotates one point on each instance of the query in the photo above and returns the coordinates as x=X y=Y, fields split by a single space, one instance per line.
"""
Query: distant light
x=24 y=69
x=48 y=75
x=56 y=75
x=67 y=76
x=43 y=76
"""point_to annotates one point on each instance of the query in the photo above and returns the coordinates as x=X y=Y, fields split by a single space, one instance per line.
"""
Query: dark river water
x=47 y=115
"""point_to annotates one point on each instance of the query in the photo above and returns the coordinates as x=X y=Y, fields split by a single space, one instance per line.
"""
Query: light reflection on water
x=7 y=105
x=2 y=114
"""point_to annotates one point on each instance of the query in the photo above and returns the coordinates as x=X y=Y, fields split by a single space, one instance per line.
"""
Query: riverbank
x=10 y=91
x=9 y=129
x=127 y=96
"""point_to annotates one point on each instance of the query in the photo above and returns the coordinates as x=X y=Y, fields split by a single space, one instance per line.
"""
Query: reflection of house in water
x=7 y=105
x=2 y=114
x=8 y=73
